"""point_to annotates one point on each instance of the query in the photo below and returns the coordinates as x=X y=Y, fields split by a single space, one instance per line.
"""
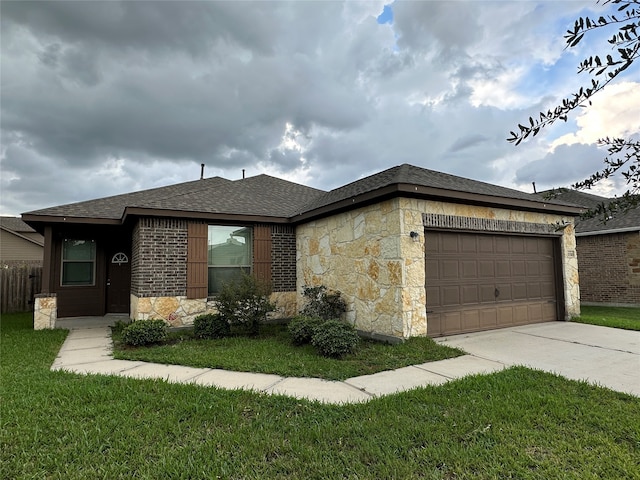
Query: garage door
x=477 y=281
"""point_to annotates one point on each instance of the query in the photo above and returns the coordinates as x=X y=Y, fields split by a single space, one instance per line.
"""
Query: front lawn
x=517 y=423
x=627 y=318
x=272 y=352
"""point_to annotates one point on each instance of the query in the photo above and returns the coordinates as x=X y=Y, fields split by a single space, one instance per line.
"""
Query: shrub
x=211 y=325
x=145 y=332
x=335 y=339
x=301 y=329
x=321 y=303
x=244 y=303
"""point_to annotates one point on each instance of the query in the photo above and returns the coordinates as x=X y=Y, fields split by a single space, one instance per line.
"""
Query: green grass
x=272 y=352
x=627 y=318
x=514 y=424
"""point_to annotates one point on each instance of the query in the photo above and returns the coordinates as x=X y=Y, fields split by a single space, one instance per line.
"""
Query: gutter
x=607 y=232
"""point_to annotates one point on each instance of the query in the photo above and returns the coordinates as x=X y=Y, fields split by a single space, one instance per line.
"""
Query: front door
x=118 y=282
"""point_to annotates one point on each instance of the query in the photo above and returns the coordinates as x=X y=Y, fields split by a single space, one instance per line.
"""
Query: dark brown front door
x=118 y=282
x=484 y=281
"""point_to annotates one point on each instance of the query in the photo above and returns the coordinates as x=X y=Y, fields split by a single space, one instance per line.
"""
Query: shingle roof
x=261 y=195
x=409 y=174
x=629 y=220
x=15 y=224
x=270 y=197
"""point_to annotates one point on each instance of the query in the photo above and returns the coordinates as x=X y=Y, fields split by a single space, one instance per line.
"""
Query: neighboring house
x=608 y=253
x=19 y=243
x=413 y=251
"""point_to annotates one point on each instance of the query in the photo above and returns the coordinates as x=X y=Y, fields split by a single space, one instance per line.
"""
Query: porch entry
x=118 y=283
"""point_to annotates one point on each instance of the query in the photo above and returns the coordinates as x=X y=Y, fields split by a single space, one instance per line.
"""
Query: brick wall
x=283 y=258
x=159 y=258
x=609 y=267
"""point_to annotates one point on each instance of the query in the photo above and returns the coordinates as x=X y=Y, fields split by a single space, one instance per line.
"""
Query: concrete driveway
x=609 y=357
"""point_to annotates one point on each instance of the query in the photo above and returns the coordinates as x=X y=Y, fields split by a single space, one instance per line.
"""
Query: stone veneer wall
x=181 y=311
x=159 y=258
x=368 y=255
x=610 y=268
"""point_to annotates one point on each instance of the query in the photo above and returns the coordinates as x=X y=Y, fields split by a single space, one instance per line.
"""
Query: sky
x=102 y=98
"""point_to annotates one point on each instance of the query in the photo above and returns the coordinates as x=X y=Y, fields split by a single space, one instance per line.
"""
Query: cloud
x=107 y=97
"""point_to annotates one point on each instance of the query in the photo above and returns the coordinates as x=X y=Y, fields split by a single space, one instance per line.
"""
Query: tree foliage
x=623 y=154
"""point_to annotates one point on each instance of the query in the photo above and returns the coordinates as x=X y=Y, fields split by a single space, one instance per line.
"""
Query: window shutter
x=197 y=275
x=262 y=253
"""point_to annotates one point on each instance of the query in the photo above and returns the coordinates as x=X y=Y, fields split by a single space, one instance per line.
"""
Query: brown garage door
x=478 y=281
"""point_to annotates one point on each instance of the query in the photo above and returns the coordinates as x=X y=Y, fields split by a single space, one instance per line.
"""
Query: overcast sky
x=102 y=98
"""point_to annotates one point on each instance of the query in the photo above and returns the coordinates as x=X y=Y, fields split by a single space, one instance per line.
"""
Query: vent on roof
x=201 y=171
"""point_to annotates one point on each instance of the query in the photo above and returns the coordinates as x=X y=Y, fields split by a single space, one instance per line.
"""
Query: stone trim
x=436 y=220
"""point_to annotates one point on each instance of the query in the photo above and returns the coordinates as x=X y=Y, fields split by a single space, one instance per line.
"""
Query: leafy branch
x=623 y=154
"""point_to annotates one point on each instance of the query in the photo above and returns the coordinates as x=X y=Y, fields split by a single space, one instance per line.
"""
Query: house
x=19 y=243
x=608 y=253
x=413 y=251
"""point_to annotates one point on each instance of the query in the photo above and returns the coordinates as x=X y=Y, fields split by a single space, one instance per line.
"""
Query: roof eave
x=609 y=231
x=224 y=217
x=432 y=193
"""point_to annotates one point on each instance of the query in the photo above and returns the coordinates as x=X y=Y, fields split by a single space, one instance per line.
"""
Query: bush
x=244 y=303
x=301 y=329
x=145 y=332
x=335 y=339
x=211 y=325
x=321 y=303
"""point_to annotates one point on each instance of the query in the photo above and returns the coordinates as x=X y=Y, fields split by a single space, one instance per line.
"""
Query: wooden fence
x=18 y=285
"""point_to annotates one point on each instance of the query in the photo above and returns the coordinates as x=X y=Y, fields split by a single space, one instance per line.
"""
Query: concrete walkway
x=89 y=351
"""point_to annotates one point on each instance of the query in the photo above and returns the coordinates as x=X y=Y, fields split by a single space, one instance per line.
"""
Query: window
x=229 y=254
x=78 y=262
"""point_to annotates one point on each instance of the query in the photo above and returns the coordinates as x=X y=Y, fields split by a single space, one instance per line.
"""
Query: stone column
x=45 y=311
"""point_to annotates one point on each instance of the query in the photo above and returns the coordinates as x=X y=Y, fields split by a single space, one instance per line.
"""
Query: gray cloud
x=100 y=98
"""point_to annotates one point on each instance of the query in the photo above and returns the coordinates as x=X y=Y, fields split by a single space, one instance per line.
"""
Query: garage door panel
x=549 y=311
x=504 y=292
x=519 y=291
x=465 y=270
x=503 y=268
x=488 y=318
x=533 y=268
x=534 y=291
x=535 y=312
x=517 y=245
x=531 y=245
x=433 y=296
x=449 y=269
x=470 y=321
x=485 y=244
x=432 y=270
x=487 y=293
x=502 y=244
x=548 y=290
x=486 y=269
x=470 y=294
x=449 y=243
x=469 y=269
x=518 y=268
x=468 y=244
x=450 y=295
x=520 y=314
